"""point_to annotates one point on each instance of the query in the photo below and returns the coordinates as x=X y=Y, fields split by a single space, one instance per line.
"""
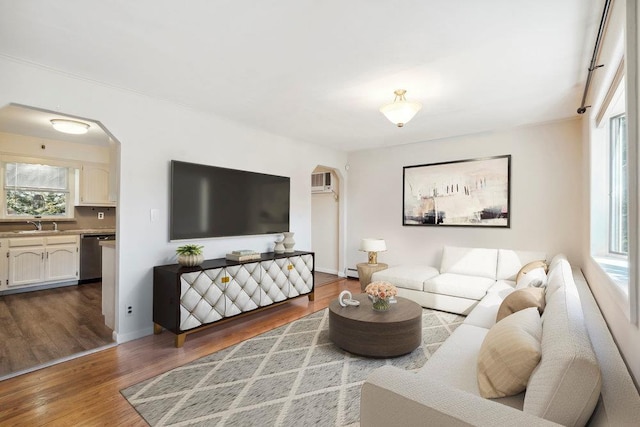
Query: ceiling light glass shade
x=70 y=126
x=400 y=111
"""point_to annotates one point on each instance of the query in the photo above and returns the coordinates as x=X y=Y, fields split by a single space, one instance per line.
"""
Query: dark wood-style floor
x=42 y=326
x=86 y=390
x=321 y=279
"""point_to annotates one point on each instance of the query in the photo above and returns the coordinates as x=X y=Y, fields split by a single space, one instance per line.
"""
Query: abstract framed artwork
x=464 y=193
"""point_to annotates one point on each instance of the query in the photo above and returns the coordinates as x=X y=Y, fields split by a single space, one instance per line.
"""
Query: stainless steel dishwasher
x=91 y=255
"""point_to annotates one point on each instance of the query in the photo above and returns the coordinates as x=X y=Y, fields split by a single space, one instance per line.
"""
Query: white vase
x=288 y=241
x=279 y=248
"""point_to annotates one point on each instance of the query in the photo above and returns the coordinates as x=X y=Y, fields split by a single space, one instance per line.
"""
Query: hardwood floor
x=321 y=279
x=86 y=391
x=42 y=326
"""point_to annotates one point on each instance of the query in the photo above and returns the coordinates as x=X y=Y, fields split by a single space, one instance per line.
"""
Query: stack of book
x=243 y=255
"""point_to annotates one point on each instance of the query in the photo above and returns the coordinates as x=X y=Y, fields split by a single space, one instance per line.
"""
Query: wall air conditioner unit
x=321 y=182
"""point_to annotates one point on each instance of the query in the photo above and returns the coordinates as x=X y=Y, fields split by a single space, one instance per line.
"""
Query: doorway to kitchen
x=49 y=311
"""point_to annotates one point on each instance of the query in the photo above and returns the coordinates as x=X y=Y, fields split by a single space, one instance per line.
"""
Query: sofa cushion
x=484 y=314
x=565 y=386
x=458 y=285
x=406 y=276
x=521 y=299
x=510 y=262
x=469 y=261
x=509 y=354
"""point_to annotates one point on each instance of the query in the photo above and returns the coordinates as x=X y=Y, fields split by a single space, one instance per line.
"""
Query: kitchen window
x=34 y=190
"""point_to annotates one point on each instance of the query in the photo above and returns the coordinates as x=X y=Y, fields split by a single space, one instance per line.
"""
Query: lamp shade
x=373 y=245
x=400 y=111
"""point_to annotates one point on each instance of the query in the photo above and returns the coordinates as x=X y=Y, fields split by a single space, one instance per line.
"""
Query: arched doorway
x=325 y=219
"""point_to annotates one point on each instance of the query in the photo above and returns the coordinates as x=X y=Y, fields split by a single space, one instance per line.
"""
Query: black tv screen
x=210 y=201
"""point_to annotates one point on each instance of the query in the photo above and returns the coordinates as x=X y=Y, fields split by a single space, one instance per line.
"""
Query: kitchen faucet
x=36 y=224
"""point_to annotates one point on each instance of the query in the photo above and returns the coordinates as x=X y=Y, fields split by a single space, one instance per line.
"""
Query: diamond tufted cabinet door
x=300 y=275
x=201 y=298
x=273 y=281
x=242 y=291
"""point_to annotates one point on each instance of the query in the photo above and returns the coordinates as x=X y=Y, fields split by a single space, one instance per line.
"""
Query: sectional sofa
x=465 y=276
x=572 y=383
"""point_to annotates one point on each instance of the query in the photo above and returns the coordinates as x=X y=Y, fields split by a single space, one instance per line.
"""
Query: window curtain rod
x=596 y=49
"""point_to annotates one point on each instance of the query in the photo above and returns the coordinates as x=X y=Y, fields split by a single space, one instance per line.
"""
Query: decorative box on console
x=187 y=299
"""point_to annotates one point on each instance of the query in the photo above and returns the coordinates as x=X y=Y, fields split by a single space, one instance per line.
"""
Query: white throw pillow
x=535 y=278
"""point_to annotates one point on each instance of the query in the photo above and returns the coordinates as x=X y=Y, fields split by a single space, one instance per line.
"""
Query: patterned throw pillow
x=509 y=354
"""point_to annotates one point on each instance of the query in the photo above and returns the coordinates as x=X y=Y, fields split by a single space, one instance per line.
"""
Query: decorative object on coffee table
x=365 y=271
x=190 y=255
x=383 y=293
x=374 y=334
x=373 y=246
x=346 y=299
x=288 y=241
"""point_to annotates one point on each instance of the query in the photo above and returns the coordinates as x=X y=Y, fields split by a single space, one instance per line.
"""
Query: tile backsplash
x=86 y=217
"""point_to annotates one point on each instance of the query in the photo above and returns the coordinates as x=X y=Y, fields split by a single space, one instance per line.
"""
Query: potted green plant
x=189 y=255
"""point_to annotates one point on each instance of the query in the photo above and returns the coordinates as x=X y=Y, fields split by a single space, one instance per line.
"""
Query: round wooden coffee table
x=362 y=330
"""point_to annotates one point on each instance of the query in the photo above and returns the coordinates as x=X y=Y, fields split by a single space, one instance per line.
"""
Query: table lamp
x=373 y=246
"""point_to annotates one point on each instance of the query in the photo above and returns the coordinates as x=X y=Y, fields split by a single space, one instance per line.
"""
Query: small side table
x=365 y=271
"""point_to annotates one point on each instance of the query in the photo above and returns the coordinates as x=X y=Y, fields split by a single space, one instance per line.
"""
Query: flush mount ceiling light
x=400 y=111
x=70 y=126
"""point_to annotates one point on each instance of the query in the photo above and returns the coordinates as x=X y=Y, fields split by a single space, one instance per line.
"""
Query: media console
x=187 y=299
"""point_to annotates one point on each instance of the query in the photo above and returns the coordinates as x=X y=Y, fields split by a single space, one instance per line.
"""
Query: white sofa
x=570 y=380
x=464 y=278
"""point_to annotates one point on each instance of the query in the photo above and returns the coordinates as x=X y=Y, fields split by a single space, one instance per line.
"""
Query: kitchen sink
x=36 y=231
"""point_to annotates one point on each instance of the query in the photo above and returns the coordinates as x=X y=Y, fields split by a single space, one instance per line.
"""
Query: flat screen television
x=210 y=201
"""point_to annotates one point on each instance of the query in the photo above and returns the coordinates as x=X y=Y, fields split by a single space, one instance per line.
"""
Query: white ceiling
x=318 y=70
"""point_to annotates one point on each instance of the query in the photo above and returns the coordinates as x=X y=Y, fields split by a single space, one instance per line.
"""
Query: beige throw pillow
x=531 y=266
x=521 y=299
x=509 y=354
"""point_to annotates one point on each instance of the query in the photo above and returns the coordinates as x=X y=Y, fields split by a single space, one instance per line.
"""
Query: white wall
x=325 y=231
x=151 y=133
x=325 y=227
x=29 y=146
x=546 y=195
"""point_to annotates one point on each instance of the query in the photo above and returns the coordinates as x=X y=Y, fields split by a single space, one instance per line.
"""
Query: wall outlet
x=129 y=310
x=100 y=215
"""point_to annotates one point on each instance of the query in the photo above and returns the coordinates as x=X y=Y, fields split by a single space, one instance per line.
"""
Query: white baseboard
x=130 y=336
x=328 y=271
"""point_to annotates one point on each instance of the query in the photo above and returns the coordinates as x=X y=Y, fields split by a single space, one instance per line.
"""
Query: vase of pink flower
x=381 y=294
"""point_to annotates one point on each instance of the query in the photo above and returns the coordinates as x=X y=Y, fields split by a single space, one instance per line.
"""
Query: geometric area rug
x=290 y=376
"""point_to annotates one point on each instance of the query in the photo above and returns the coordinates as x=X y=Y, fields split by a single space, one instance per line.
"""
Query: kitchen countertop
x=8 y=234
x=108 y=244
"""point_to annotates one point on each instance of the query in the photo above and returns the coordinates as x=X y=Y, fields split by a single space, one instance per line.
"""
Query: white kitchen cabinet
x=61 y=262
x=94 y=185
x=42 y=260
x=26 y=266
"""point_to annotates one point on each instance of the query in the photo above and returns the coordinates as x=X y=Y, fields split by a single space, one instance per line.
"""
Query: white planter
x=190 y=260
